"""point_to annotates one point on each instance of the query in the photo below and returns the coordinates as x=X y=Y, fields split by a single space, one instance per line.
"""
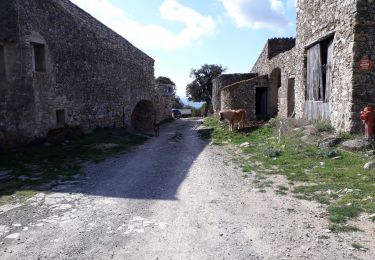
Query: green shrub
x=272 y=152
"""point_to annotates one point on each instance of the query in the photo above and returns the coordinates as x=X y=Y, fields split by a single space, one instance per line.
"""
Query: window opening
x=60 y=117
x=38 y=57
x=2 y=62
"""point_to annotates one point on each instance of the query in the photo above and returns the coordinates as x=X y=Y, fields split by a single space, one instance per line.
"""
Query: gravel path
x=176 y=197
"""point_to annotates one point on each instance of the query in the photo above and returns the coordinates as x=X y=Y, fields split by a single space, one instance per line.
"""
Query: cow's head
x=221 y=116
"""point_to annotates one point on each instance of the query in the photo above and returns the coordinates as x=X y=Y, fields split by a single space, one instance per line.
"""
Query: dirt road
x=176 y=197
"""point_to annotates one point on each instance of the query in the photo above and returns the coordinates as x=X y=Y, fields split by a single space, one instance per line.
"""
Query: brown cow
x=234 y=117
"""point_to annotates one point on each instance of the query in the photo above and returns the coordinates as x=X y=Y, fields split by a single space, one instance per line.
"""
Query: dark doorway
x=2 y=62
x=261 y=102
x=273 y=92
x=143 y=117
x=291 y=97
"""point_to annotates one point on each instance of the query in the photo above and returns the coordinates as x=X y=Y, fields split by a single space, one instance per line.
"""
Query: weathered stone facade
x=241 y=95
x=346 y=31
x=60 y=66
x=225 y=80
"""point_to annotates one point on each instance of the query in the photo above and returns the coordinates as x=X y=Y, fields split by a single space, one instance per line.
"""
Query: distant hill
x=193 y=104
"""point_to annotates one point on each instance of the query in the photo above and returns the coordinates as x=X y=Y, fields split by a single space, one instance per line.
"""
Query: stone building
x=327 y=72
x=60 y=66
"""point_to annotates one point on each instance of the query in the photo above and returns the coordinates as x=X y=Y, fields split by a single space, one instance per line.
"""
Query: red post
x=367 y=117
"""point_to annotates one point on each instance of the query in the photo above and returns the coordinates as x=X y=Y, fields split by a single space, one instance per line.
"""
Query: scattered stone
x=370 y=153
x=13 y=236
x=5 y=175
x=245 y=144
x=369 y=165
x=330 y=141
x=306 y=139
x=16 y=225
x=23 y=178
x=337 y=158
x=36 y=178
x=356 y=144
x=104 y=146
x=309 y=130
x=7 y=207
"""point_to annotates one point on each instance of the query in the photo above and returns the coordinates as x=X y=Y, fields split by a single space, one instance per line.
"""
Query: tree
x=167 y=81
x=177 y=103
x=200 y=89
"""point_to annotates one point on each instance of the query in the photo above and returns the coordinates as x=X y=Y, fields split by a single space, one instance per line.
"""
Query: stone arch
x=143 y=116
x=273 y=91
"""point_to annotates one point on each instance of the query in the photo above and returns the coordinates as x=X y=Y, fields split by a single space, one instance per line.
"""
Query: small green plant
x=328 y=153
x=323 y=126
x=343 y=228
x=341 y=214
x=272 y=152
x=357 y=246
x=281 y=190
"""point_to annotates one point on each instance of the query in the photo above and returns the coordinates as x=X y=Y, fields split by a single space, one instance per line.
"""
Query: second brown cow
x=234 y=117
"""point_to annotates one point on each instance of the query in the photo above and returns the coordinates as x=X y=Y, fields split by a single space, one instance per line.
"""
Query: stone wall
x=351 y=25
x=279 y=45
x=272 y=48
x=364 y=48
x=284 y=65
x=315 y=21
x=222 y=81
x=242 y=95
x=92 y=75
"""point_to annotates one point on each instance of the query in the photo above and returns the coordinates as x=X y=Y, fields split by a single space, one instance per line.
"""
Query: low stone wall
x=242 y=95
x=225 y=80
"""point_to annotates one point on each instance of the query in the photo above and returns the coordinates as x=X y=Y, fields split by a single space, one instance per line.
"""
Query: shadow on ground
x=154 y=169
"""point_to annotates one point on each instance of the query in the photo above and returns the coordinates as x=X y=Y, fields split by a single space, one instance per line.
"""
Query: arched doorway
x=143 y=116
x=273 y=92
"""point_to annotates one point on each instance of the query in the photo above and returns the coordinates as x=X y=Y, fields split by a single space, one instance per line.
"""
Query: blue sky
x=185 y=34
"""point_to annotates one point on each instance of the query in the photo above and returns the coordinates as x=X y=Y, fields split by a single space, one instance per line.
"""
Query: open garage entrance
x=143 y=117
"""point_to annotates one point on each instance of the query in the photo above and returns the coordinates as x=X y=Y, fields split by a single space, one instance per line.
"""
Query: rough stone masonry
x=60 y=66
x=317 y=75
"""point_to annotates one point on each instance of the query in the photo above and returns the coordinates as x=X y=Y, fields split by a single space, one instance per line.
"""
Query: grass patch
x=336 y=228
x=323 y=126
x=337 y=183
x=281 y=190
x=357 y=246
x=342 y=213
x=36 y=164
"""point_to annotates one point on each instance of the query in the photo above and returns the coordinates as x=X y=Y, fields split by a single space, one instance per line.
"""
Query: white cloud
x=149 y=35
x=258 y=14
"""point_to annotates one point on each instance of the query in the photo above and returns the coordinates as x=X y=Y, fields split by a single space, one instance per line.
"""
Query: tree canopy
x=176 y=100
x=200 y=89
x=177 y=103
x=167 y=81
